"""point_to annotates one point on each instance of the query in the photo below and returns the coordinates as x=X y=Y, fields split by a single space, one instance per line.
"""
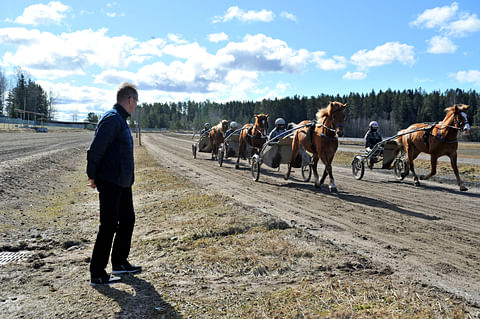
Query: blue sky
x=237 y=50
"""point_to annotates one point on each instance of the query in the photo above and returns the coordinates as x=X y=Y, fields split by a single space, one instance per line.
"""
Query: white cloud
x=80 y=100
x=186 y=51
x=355 y=76
x=436 y=17
x=111 y=14
x=335 y=63
x=439 y=45
x=448 y=21
x=262 y=53
x=471 y=76
x=288 y=15
x=278 y=92
x=217 y=37
x=175 y=38
x=466 y=24
x=384 y=54
x=72 y=53
x=43 y=14
x=245 y=16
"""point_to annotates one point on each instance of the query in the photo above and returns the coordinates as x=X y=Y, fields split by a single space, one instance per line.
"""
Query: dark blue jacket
x=372 y=138
x=110 y=156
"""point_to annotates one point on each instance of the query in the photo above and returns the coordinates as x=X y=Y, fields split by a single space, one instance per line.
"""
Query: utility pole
x=24 y=106
x=137 y=118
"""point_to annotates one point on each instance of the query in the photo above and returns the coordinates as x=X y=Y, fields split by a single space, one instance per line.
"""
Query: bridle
x=330 y=129
x=457 y=125
x=256 y=129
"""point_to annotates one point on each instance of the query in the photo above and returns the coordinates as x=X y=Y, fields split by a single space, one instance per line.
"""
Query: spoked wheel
x=358 y=167
x=194 y=150
x=255 y=167
x=307 y=172
x=220 y=156
x=400 y=168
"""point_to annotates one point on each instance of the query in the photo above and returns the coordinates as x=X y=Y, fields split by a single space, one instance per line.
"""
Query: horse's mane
x=322 y=113
x=461 y=107
x=219 y=125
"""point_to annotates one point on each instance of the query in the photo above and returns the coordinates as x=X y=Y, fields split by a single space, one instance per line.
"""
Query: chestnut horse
x=321 y=139
x=254 y=135
x=216 y=136
x=437 y=140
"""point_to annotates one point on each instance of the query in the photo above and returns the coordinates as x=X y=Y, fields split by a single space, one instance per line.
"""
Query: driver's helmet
x=280 y=123
x=207 y=126
x=373 y=125
x=234 y=125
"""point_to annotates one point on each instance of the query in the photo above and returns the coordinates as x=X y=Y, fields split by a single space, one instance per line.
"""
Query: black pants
x=117 y=218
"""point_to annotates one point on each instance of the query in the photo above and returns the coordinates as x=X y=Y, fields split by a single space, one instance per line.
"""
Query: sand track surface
x=429 y=233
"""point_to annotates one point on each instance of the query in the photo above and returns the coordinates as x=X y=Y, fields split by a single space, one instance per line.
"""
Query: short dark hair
x=125 y=90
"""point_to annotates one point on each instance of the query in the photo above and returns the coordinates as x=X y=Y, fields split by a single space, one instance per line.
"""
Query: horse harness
x=428 y=131
x=314 y=124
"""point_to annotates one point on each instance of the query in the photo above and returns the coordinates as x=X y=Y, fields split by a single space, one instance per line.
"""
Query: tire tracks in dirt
x=429 y=233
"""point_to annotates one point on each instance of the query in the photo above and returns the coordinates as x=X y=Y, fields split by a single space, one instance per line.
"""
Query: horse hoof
x=416 y=183
x=333 y=190
x=463 y=188
x=237 y=166
x=285 y=177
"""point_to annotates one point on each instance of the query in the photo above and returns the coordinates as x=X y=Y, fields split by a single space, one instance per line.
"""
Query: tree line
x=394 y=110
x=26 y=96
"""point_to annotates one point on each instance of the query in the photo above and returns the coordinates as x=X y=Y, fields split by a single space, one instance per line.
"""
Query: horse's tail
x=400 y=140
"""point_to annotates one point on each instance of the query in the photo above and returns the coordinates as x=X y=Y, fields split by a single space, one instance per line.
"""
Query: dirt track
x=429 y=234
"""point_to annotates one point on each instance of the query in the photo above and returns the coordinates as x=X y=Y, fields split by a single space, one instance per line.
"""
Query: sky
x=221 y=50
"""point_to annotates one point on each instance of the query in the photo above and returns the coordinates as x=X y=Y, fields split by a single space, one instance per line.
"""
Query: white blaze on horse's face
x=466 y=126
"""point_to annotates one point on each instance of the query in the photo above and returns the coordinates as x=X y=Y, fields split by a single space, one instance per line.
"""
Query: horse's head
x=261 y=123
x=335 y=113
x=224 y=126
x=459 y=116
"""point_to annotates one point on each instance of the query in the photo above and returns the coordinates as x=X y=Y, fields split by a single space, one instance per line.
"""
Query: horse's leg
x=433 y=167
x=328 y=168
x=325 y=170
x=241 y=151
x=314 y=168
x=412 y=154
x=295 y=150
x=453 y=162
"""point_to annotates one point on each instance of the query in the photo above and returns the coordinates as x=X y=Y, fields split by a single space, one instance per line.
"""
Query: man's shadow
x=145 y=302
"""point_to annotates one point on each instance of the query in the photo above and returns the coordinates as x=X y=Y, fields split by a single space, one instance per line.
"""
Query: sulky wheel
x=358 y=167
x=194 y=150
x=400 y=168
x=255 y=167
x=307 y=172
x=220 y=156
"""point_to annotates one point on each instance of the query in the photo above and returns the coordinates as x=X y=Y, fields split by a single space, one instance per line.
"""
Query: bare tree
x=3 y=90
x=52 y=101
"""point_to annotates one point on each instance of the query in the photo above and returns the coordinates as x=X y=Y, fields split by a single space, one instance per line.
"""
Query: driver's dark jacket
x=372 y=138
x=110 y=156
x=228 y=132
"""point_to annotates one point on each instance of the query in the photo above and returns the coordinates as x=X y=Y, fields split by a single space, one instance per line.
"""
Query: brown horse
x=254 y=135
x=321 y=139
x=216 y=136
x=437 y=140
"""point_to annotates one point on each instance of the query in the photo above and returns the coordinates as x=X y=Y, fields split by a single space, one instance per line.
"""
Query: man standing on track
x=110 y=169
